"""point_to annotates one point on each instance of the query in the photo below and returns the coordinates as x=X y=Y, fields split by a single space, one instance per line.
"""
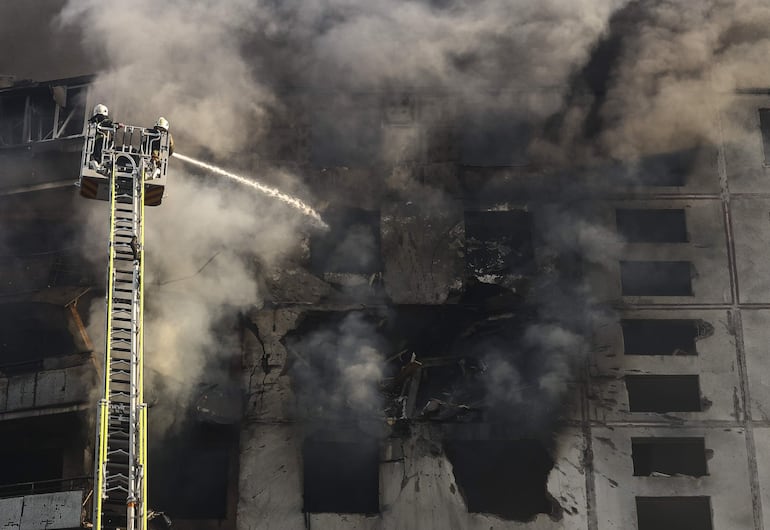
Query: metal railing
x=21 y=489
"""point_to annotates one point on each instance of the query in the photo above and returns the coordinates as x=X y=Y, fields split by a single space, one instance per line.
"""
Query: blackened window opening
x=660 y=337
x=669 y=169
x=31 y=332
x=341 y=477
x=40 y=449
x=652 y=226
x=663 y=393
x=506 y=478
x=498 y=242
x=673 y=513
x=764 y=126
x=351 y=245
x=669 y=456
x=191 y=468
x=656 y=278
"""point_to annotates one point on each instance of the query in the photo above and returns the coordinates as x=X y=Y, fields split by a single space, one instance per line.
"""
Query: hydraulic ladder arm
x=120 y=485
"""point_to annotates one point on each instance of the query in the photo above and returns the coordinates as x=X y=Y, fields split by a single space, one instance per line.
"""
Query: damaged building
x=479 y=339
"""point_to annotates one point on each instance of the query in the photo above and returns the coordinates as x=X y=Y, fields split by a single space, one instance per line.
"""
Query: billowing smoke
x=659 y=78
x=177 y=60
x=597 y=81
x=217 y=68
x=337 y=369
x=527 y=378
x=204 y=248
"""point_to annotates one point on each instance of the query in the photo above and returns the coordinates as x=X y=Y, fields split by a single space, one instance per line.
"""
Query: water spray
x=294 y=202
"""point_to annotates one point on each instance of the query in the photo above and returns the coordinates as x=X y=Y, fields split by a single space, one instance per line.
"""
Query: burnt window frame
x=625 y=227
x=674 y=499
x=688 y=442
x=642 y=263
x=626 y=332
x=676 y=384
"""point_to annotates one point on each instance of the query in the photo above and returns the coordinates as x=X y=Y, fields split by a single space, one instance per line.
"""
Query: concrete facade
x=47 y=511
x=424 y=264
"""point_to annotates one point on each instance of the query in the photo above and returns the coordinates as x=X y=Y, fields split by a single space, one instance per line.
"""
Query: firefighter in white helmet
x=105 y=125
x=161 y=125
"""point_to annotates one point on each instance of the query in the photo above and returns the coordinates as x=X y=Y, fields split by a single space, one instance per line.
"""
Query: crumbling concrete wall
x=49 y=511
x=417 y=486
x=51 y=388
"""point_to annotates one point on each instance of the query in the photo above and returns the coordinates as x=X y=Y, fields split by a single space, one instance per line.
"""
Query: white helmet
x=162 y=124
x=101 y=110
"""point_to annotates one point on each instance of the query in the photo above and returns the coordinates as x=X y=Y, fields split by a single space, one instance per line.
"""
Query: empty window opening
x=187 y=491
x=31 y=464
x=652 y=226
x=506 y=478
x=663 y=336
x=351 y=245
x=668 y=169
x=669 y=456
x=31 y=332
x=663 y=393
x=656 y=278
x=764 y=125
x=673 y=513
x=39 y=454
x=341 y=477
x=498 y=242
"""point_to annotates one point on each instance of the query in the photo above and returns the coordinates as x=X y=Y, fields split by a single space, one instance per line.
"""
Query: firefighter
x=161 y=125
x=101 y=117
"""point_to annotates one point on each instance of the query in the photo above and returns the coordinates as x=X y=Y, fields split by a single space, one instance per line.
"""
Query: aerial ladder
x=125 y=165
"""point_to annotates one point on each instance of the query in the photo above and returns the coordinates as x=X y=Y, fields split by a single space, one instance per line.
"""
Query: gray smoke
x=220 y=71
x=337 y=369
x=670 y=69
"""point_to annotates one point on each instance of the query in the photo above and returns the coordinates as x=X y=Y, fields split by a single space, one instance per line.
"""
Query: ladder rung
x=121 y=361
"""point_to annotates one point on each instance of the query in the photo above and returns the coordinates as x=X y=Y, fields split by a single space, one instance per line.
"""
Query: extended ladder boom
x=120 y=489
